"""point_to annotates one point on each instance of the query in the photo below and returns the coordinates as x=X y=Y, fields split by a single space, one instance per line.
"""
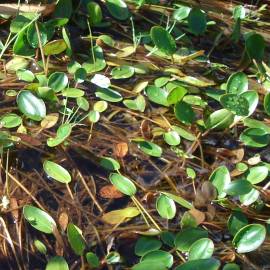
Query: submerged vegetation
x=134 y=135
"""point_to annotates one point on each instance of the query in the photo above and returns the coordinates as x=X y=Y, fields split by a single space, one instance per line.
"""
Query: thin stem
x=41 y=49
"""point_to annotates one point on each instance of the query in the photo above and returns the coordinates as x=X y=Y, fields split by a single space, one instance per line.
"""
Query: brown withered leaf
x=121 y=149
x=198 y=215
x=110 y=192
x=63 y=220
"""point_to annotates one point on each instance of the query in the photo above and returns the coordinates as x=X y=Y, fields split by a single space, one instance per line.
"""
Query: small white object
x=101 y=81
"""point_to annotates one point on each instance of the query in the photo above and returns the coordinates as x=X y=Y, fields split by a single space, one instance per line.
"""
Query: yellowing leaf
x=119 y=216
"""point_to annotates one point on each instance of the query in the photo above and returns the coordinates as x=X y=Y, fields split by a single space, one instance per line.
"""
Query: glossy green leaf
x=255 y=137
x=83 y=103
x=62 y=133
x=172 y=138
x=257 y=174
x=197 y=21
x=149 y=265
x=109 y=164
x=181 y=13
x=118 y=9
x=39 y=219
x=184 y=133
x=57 y=263
x=159 y=256
x=266 y=103
x=32 y=35
x=145 y=245
x=76 y=239
x=209 y=264
x=64 y=9
x=236 y=221
x=184 y=112
x=231 y=266
x=31 y=106
x=187 y=237
x=80 y=75
x=72 y=92
x=92 y=259
x=55 y=47
x=138 y=104
x=58 y=81
x=56 y=171
x=108 y=95
x=249 y=198
x=255 y=46
x=122 y=72
x=163 y=40
x=176 y=95
x=237 y=83
x=40 y=246
x=201 y=249
x=93 y=116
x=10 y=120
x=252 y=98
x=236 y=104
x=18 y=23
x=95 y=13
x=238 y=187
x=150 y=148
x=22 y=47
x=219 y=119
x=239 y=12
x=25 y=75
x=167 y=238
x=113 y=257
x=178 y=199
x=220 y=178
x=165 y=207
x=157 y=95
x=123 y=184
x=249 y=238
x=96 y=61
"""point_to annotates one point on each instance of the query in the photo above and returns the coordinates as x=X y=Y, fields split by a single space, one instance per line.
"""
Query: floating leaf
x=39 y=219
x=119 y=216
x=184 y=112
x=220 y=178
x=145 y=245
x=56 y=172
x=163 y=40
x=255 y=137
x=197 y=21
x=31 y=106
x=201 y=249
x=187 y=237
x=150 y=148
x=123 y=184
x=75 y=239
x=57 y=263
x=58 y=81
x=249 y=238
x=165 y=207
x=118 y=9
